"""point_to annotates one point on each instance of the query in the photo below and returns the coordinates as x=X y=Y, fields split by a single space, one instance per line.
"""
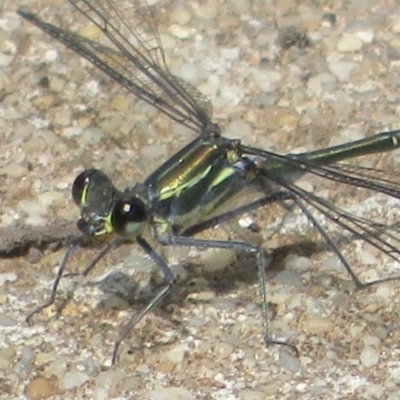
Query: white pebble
x=30 y=207
x=92 y=88
x=7 y=277
x=73 y=379
x=109 y=379
x=239 y=7
x=233 y=94
x=51 y=56
x=367 y=36
x=92 y=135
x=239 y=129
x=191 y=73
x=63 y=117
x=214 y=259
x=350 y=134
x=100 y=393
x=71 y=132
x=231 y=53
x=169 y=393
x=9 y=22
x=266 y=81
x=181 y=32
x=369 y=356
x=176 y=354
x=342 y=69
x=290 y=362
x=396 y=26
x=153 y=151
x=50 y=198
x=5 y=320
x=321 y=83
x=349 y=43
x=180 y=16
x=5 y=60
x=317 y=325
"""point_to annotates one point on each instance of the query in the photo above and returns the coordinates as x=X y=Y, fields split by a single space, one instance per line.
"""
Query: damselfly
x=188 y=192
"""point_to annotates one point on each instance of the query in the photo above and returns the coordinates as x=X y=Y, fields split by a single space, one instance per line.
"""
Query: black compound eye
x=128 y=216
x=80 y=185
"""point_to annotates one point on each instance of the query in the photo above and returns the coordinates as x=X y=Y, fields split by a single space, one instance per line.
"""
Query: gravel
x=337 y=79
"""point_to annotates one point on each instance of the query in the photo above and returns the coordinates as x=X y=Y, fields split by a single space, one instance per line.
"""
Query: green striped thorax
x=194 y=183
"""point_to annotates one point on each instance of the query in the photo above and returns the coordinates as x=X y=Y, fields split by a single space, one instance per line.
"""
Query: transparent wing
x=380 y=229
x=134 y=58
x=384 y=237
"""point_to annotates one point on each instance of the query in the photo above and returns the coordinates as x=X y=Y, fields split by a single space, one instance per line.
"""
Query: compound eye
x=80 y=186
x=129 y=216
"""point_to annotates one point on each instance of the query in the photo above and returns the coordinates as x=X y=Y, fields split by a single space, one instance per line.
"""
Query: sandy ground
x=337 y=80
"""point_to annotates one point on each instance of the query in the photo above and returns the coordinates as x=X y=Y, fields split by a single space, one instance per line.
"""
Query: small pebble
x=5 y=320
x=7 y=277
x=7 y=355
x=73 y=379
x=289 y=278
x=317 y=325
x=91 y=135
x=298 y=264
x=289 y=362
x=349 y=43
x=342 y=69
x=41 y=388
x=248 y=394
x=176 y=354
x=109 y=379
x=369 y=356
x=169 y=393
x=336 y=80
x=267 y=81
x=5 y=60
